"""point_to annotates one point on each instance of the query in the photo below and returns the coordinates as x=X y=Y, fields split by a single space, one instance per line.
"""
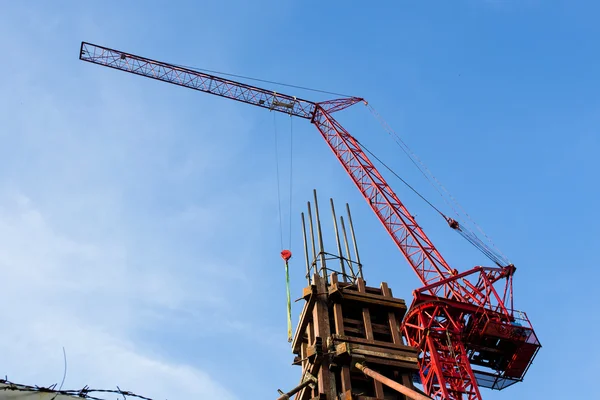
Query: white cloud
x=132 y=225
x=62 y=292
x=87 y=262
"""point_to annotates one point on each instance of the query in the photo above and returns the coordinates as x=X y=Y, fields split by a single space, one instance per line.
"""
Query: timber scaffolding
x=348 y=339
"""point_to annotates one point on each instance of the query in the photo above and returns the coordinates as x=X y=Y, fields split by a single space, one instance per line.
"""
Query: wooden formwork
x=343 y=324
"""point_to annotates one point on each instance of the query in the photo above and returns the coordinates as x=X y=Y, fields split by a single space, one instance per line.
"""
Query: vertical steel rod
x=320 y=238
x=306 y=250
x=360 y=273
x=312 y=237
x=347 y=247
x=337 y=239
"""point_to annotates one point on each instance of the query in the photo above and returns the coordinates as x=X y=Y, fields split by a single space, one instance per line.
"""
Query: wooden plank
x=373 y=290
x=360 y=283
x=381 y=354
x=305 y=318
x=355 y=330
x=368 y=331
x=385 y=290
x=394 y=352
x=346 y=381
x=362 y=294
x=307 y=291
x=304 y=355
x=346 y=395
x=376 y=343
x=338 y=318
x=352 y=321
x=374 y=299
x=393 y=363
x=406 y=381
x=377 y=328
x=378 y=389
x=323 y=330
x=377 y=296
x=394 y=326
x=366 y=314
x=367 y=351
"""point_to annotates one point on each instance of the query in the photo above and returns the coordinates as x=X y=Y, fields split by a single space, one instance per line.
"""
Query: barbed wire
x=86 y=392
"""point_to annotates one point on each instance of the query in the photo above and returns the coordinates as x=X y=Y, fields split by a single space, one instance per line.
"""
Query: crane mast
x=460 y=307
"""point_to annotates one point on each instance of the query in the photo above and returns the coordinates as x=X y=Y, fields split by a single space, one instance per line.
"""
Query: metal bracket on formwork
x=308 y=380
x=311 y=379
x=314 y=353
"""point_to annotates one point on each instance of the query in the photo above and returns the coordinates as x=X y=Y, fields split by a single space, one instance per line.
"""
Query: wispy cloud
x=60 y=291
x=83 y=264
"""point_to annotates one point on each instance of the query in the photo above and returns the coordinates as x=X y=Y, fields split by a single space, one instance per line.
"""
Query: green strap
x=289 y=302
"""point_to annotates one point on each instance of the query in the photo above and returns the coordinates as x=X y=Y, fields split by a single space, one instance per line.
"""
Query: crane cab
x=505 y=349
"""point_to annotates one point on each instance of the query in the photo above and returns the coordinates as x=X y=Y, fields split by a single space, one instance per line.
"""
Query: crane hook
x=286 y=255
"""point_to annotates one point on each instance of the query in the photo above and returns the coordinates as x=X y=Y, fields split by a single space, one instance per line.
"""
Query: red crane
x=457 y=320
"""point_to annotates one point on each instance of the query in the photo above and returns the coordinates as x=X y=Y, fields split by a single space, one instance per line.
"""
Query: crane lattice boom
x=422 y=255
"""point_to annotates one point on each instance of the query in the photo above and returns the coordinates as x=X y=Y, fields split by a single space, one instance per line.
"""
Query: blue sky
x=138 y=220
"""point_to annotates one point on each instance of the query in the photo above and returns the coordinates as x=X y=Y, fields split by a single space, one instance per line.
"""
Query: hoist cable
x=402 y=180
x=411 y=156
x=278 y=181
x=285 y=254
x=478 y=243
x=291 y=176
x=497 y=254
x=498 y=259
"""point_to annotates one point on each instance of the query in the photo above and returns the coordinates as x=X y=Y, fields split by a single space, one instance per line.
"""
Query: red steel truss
x=435 y=328
x=453 y=320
